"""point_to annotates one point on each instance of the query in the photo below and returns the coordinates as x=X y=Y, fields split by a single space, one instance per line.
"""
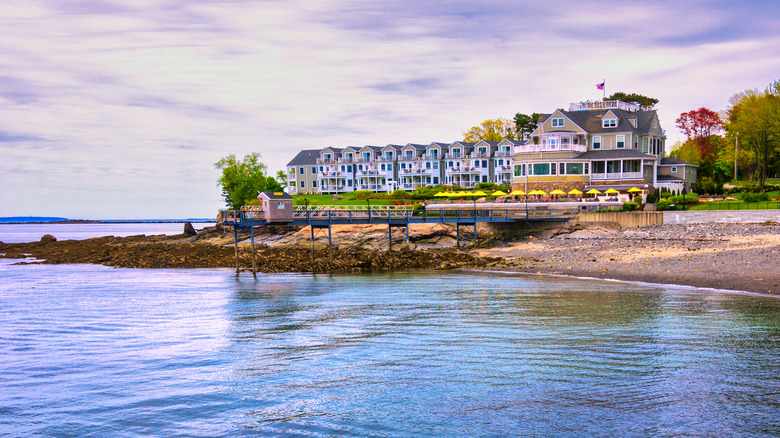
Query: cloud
x=143 y=97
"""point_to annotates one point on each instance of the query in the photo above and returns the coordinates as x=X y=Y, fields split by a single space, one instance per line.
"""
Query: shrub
x=755 y=197
x=664 y=204
x=486 y=186
x=630 y=206
x=691 y=198
x=398 y=193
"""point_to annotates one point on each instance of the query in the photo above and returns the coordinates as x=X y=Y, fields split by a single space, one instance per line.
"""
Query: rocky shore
x=725 y=256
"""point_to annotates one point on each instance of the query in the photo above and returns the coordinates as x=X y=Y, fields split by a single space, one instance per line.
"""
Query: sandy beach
x=742 y=257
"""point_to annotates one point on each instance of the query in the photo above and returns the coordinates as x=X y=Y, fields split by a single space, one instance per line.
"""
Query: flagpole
x=604 y=89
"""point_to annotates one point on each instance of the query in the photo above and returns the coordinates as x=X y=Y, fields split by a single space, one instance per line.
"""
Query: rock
x=337 y=197
x=46 y=238
x=189 y=230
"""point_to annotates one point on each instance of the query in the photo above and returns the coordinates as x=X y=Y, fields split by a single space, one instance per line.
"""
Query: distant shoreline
x=3 y=221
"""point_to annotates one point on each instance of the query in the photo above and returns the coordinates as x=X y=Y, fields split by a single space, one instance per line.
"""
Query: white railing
x=617 y=175
x=353 y=211
x=547 y=148
x=604 y=104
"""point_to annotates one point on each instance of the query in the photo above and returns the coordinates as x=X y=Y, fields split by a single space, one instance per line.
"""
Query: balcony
x=480 y=155
x=615 y=176
x=503 y=154
x=527 y=149
x=326 y=161
x=332 y=174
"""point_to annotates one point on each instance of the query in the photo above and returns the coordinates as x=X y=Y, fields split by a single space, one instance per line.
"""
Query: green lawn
x=328 y=200
x=744 y=183
x=735 y=205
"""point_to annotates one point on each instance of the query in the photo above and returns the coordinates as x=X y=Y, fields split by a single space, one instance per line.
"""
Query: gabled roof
x=668 y=161
x=305 y=157
x=332 y=149
x=611 y=154
x=669 y=178
x=490 y=143
x=274 y=196
x=590 y=120
x=419 y=147
x=373 y=148
x=440 y=144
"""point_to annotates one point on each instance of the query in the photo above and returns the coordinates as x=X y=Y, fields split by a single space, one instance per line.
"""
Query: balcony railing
x=331 y=174
x=616 y=175
x=325 y=161
x=480 y=154
x=547 y=148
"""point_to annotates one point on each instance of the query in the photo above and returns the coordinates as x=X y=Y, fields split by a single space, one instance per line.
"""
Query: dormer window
x=609 y=123
x=557 y=123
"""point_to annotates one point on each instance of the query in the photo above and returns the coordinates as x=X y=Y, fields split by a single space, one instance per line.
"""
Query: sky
x=117 y=109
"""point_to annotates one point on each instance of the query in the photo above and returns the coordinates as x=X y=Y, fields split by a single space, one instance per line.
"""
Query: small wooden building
x=277 y=206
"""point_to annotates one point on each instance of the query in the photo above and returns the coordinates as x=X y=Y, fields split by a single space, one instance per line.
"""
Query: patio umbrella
x=593 y=192
x=557 y=192
x=498 y=193
x=575 y=192
x=634 y=190
x=517 y=193
x=479 y=193
x=611 y=190
x=441 y=195
x=541 y=192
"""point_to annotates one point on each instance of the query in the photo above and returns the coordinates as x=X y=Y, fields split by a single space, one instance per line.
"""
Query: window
x=609 y=123
x=435 y=164
x=484 y=164
x=518 y=170
x=557 y=123
x=389 y=156
x=382 y=167
x=342 y=168
x=408 y=155
x=553 y=168
x=301 y=171
x=553 y=143
x=563 y=168
x=303 y=184
x=366 y=156
x=587 y=171
x=574 y=168
x=596 y=142
x=314 y=169
x=389 y=166
x=314 y=183
x=427 y=164
x=541 y=168
x=645 y=145
x=621 y=141
x=403 y=165
x=500 y=162
x=349 y=183
x=674 y=169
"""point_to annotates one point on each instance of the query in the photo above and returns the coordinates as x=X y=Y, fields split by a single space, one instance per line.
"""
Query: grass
x=745 y=183
x=328 y=200
x=735 y=205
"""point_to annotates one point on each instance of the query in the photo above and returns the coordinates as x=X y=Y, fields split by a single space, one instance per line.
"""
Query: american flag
x=601 y=85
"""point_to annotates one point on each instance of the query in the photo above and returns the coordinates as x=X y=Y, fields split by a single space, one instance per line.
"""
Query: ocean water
x=18 y=233
x=96 y=351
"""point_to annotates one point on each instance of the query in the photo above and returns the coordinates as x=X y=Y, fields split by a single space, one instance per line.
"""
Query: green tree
x=491 y=130
x=755 y=117
x=646 y=102
x=281 y=177
x=525 y=124
x=243 y=180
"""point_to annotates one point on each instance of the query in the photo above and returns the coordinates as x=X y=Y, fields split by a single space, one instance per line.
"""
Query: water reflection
x=432 y=355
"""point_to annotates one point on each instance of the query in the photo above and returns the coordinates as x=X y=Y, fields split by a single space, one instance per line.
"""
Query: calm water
x=95 y=351
x=17 y=233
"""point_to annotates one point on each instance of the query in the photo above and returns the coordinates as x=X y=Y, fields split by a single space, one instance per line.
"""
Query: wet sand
x=744 y=257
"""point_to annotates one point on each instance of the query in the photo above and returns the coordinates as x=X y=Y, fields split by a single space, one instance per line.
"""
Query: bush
x=755 y=197
x=398 y=193
x=664 y=204
x=486 y=186
x=630 y=206
x=691 y=198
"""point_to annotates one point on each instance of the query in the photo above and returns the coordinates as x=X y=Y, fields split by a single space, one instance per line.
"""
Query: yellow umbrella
x=611 y=190
x=593 y=192
x=557 y=192
x=517 y=193
x=441 y=195
x=575 y=192
x=479 y=193
x=498 y=193
x=634 y=190
x=541 y=192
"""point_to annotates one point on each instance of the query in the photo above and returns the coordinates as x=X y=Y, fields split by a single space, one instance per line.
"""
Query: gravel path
x=724 y=256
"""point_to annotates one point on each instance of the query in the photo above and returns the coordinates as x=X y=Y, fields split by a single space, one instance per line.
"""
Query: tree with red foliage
x=699 y=125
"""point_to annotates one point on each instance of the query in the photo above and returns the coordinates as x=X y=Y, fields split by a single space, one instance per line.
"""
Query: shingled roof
x=305 y=157
x=590 y=120
x=614 y=154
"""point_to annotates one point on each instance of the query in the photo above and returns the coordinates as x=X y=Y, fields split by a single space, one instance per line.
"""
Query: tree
x=491 y=130
x=281 y=177
x=243 y=180
x=755 y=117
x=644 y=101
x=699 y=126
x=686 y=151
x=525 y=124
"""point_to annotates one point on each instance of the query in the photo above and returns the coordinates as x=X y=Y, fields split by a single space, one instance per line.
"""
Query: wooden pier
x=321 y=217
